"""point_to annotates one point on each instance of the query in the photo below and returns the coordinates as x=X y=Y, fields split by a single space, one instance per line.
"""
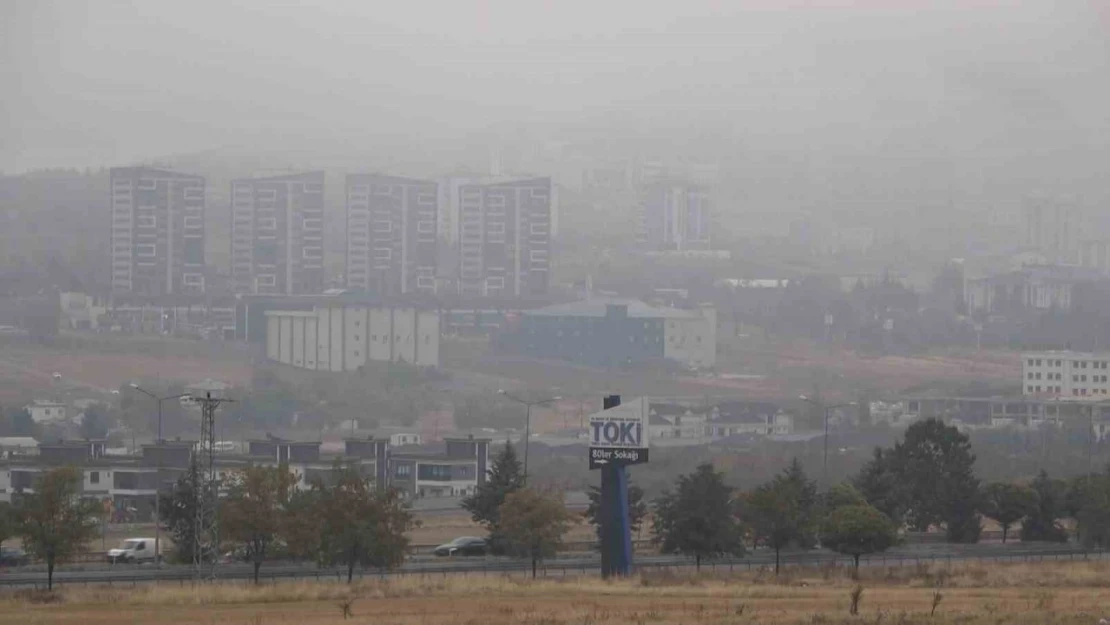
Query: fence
x=550 y=569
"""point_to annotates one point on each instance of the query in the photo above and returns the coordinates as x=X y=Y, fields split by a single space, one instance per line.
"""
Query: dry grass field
x=1072 y=593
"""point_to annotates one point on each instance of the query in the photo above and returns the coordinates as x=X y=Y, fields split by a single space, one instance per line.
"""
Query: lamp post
x=826 y=409
x=527 y=420
x=158 y=481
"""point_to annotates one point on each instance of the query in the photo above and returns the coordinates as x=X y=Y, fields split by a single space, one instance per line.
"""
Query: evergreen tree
x=505 y=476
x=698 y=518
x=1043 y=521
x=178 y=511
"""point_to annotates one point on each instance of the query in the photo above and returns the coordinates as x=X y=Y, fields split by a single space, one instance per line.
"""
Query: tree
x=534 y=523
x=927 y=480
x=698 y=517
x=178 y=512
x=1007 y=504
x=302 y=527
x=362 y=524
x=54 y=521
x=1093 y=513
x=857 y=530
x=505 y=476
x=843 y=494
x=9 y=521
x=1043 y=521
x=880 y=484
x=637 y=508
x=95 y=422
x=783 y=511
x=253 y=510
x=18 y=422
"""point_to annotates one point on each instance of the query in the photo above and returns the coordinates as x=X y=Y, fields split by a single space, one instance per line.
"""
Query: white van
x=133 y=550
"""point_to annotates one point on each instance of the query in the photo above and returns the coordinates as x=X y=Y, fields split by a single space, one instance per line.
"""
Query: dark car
x=463 y=546
x=11 y=556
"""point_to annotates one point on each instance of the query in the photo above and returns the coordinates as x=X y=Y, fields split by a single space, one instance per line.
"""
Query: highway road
x=565 y=565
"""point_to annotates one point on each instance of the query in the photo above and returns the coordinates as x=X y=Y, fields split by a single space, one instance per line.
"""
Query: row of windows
x=1077 y=364
x=1075 y=391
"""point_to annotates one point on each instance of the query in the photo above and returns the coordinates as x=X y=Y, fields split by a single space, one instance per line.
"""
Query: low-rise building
x=46 y=411
x=130 y=483
x=698 y=420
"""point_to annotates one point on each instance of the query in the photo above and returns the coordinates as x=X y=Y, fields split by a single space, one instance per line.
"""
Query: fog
x=1013 y=88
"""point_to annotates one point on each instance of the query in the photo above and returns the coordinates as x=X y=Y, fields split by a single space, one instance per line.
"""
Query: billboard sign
x=619 y=435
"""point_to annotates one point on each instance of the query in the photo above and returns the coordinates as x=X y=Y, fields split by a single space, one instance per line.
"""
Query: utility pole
x=826 y=410
x=206 y=485
x=528 y=420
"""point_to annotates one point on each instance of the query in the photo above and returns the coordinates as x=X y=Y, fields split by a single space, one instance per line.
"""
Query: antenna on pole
x=207 y=491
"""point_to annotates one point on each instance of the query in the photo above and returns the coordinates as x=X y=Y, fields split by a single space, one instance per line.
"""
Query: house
x=731 y=418
x=45 y=411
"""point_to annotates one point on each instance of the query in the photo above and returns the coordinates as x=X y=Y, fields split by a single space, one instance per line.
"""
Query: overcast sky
x=102 y=82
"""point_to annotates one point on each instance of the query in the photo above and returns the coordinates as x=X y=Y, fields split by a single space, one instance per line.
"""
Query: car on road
x=56 y=375
x=12 y=556
x=462 y=546
x=133 y=550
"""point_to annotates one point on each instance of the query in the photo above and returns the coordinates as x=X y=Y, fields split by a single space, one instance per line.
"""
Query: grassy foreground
x=1063 y=593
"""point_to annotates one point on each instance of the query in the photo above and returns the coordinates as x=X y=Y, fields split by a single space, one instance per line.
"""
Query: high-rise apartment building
x=674 y=217
x=1053 y=227
x=277 y=234
x=157 y=231
x=505 y=238
x=391 y=234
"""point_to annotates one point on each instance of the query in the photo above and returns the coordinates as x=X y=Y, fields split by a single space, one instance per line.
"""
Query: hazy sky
x=104 y=82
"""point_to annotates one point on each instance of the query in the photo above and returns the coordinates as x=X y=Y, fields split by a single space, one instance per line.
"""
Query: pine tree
x=698 y=518
x=505 y=476
x=1043 y=521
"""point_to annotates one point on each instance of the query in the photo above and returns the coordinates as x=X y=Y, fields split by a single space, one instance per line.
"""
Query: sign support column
x=617 y=440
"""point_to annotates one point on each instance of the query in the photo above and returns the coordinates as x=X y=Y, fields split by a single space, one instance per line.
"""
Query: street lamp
x=158 y=482
x=826 y=410
x=527 y=420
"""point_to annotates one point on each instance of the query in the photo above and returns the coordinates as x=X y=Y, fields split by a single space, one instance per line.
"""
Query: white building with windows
x=343 y=337
x=1066 y=374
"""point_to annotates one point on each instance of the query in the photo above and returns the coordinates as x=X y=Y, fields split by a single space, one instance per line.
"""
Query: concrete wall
x=404 y=335
x=428 y=328
x=273 y=335
x=381 y=334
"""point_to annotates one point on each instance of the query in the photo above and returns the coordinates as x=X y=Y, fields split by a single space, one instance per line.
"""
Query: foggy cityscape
x=350 y=294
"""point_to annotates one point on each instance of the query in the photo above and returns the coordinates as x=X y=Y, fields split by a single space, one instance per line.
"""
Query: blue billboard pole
x=616 y=531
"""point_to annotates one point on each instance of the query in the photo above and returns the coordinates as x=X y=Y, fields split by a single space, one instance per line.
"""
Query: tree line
x=925 y=482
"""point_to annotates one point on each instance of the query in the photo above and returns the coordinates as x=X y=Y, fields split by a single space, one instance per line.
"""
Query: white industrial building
x=343 y=337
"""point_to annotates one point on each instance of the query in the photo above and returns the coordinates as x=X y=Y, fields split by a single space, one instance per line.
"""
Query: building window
x=94 y=477
x=403 y=470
